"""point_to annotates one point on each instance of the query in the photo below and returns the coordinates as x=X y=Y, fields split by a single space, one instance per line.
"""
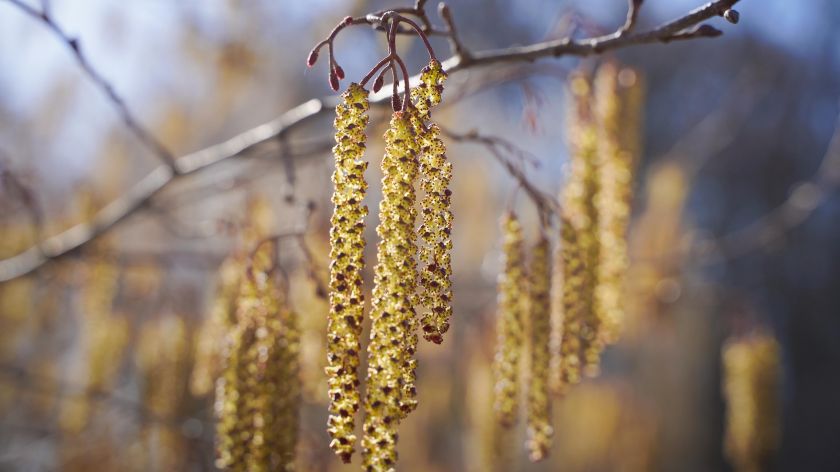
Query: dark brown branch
x=151 y=185
x=127 y=117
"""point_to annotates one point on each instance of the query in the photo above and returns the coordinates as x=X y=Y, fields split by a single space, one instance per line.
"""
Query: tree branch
x=127 y=117
x=686 y=27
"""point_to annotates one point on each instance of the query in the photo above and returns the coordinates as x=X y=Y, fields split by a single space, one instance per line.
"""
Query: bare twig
x=498 y=148
x=127 y=117
x=633 y=8
x=151 y=185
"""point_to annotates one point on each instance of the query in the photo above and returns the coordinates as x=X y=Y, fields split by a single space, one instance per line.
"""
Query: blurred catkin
x=435 y=230
x=163 y=359
x=539 y=429
x=751 y=369
x=219 y=324
x=512 y=304
x=579 y=202
x=258 y=396
x=574 y=275
x=347 y=247
x=617 y=110
x=393 y=339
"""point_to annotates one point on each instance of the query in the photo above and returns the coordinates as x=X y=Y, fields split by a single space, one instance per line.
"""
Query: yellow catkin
x=512 y=303
x=258 y=396
x=616 y=169
x=573 y=304
x=539 y=430
x=163 y=360
x=347 y=246
x=579 y=202
x=435 y=230
x=751 y=369
x=391 y=364
x=213 y=331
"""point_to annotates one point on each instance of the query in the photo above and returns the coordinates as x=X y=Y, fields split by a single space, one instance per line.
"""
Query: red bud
x=333 y=81
x=339 y=72
x=312 y=59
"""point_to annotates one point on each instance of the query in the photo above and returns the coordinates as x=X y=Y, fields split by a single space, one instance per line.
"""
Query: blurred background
x=735 y=229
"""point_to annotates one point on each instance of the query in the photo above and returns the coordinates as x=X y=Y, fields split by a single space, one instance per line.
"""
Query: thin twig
x=45 y=17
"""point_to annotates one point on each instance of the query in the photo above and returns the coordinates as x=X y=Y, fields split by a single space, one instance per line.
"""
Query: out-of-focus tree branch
x=804 y=199
x=148 y=140
x=136 y=198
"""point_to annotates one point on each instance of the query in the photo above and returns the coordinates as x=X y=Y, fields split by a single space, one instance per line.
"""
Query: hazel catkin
x=539 y=428
x=436 y=228
x=512 y=291
x=751 y=370
x=616 y=163
x=579 y=201
x=393 y=339
x=347 y=246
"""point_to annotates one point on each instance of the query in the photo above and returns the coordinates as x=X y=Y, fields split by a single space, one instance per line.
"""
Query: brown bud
x=396 y=103
x=377 y=84
x=732 y=16
x=339 y=72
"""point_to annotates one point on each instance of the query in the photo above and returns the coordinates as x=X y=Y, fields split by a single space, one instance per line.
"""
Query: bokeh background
x=736 y=225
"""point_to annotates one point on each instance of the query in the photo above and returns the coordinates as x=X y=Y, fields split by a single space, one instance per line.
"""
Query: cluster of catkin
x=556 y=312
x=751 y=374
x=258 y=392
x=412 y=288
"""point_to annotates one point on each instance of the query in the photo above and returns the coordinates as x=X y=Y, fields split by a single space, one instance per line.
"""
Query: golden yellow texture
x=574 y=304
x=258 y=396
x=579 y=202
x=436 y=228
x=616 y=170
x=104 y=338
x=162 y=357
x=347 y=247
x=512 y=304
x=213 y=331
x=539 y=428
x=751 y=370
x=393 y=340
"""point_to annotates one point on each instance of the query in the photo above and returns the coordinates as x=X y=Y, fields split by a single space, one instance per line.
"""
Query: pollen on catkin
x=258 y=396
x=539 y=429
x=751 y=369
x=616 y=168
x=436 y=228
x=393 y=339
x=574 y=304
x=579 y=201
x=347 y=246
x=512 y=303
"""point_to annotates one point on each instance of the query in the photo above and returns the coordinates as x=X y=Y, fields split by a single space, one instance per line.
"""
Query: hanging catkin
x=540 y=430
x=258 y=396
x=574 y=304
x=751 y=369
x=393 y=339
x=616 y=168
x=347 y=261
x=435 y=230
x=512 y=303
x=579 y=201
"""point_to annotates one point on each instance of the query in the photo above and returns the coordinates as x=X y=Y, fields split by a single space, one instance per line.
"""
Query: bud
x=339 y=72
x=313 y=58
x=732 y=16
x=396 y=103
x=333 y=80
x=377 y=84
